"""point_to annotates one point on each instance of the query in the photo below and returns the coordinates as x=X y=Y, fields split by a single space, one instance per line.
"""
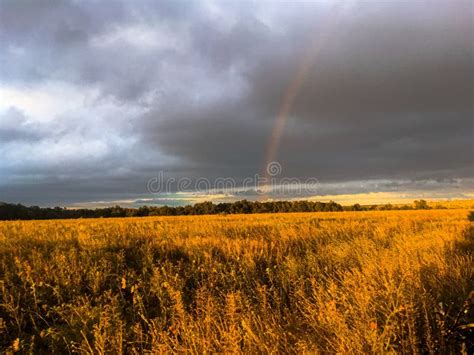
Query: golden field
x=344 y=282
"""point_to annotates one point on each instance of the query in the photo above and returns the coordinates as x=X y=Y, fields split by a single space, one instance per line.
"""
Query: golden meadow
x=346 y=282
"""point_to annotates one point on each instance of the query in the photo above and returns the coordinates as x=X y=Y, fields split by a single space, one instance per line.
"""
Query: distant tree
x=332 y=206
x=243 y=206
x=131 y=212
x=204 y=208
x=421 y=205
x=18 y=212
x=143 y=211
x=117 y=211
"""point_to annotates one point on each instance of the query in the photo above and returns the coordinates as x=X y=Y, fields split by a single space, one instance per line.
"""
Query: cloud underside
x=99 y=98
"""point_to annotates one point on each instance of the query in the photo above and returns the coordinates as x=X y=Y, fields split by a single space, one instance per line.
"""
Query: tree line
x=21 y=212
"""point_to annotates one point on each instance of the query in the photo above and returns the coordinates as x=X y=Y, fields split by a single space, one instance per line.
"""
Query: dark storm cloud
x=390 y=93
x=193 y=88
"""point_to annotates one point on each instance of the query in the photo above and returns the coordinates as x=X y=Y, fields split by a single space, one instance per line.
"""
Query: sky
x=102 y=100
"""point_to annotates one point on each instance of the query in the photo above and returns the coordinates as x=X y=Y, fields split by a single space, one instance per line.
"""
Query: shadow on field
x=453 y=316
x=466 y=246
x=463 y=327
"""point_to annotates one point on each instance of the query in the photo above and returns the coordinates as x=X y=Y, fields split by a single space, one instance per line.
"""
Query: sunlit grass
x=362 y=282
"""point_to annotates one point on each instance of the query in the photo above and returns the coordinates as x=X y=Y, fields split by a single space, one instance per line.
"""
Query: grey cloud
x=388 y=94
x=14 y=127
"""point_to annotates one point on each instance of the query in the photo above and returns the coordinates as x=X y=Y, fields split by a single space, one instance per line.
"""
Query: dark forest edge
x=20 y=212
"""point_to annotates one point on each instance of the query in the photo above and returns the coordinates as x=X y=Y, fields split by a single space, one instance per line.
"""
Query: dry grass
x=455 y=204
x=356 y=282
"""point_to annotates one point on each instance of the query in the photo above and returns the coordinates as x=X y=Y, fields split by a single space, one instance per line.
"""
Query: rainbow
x=308 y=60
